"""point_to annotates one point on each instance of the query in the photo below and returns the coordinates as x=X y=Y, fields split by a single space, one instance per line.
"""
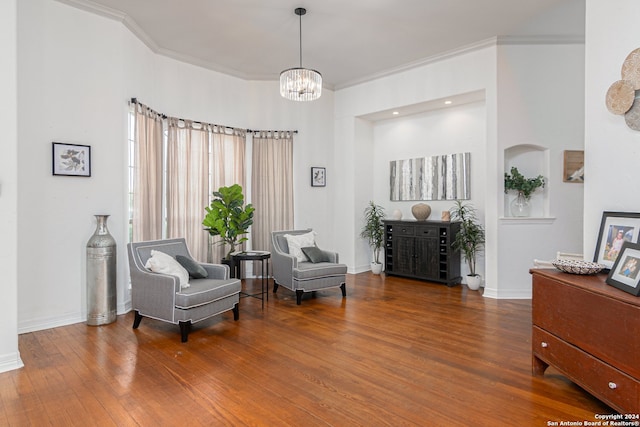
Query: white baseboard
x=10 y=362
x=508 y=294
x=39 y=324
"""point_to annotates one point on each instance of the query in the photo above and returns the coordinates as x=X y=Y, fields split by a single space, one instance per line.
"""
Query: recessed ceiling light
x=395 y=113
x=448 y=102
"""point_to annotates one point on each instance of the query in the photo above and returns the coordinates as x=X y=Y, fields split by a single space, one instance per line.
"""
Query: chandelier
x=300 y=84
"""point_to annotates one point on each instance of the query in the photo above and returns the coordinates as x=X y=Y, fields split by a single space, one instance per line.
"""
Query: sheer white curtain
x=271 y=186
x=187 y=183
x=147 y=175
x=227 y=160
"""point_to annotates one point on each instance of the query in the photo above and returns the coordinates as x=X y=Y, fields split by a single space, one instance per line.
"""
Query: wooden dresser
x=590 y=332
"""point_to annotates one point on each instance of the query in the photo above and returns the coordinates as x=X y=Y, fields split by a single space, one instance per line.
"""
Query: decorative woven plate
x=620 y=97
x=631 y=68
x=577 y=267
x=632 y=117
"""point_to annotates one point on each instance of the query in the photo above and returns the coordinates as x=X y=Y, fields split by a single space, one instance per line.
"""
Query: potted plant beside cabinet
x=525 y=187
x=373 y=231
x=228 y=218
x=469 y=240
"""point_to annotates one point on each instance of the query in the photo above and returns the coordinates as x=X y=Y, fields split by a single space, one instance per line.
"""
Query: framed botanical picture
x=615 y=229
x=624 y=273
x=71 y=159
x=573 y=166
x=318 y=177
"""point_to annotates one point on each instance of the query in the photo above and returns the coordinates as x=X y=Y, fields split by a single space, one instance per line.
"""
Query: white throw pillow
x=298 y=241
x=166 y=264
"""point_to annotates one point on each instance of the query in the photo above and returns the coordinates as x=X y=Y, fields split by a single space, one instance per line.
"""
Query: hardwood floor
x=394 y=352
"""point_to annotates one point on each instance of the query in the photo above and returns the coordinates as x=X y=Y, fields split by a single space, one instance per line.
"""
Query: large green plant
x=516 y=181
x=470 y=238
x=228 y=218
x=373 y=230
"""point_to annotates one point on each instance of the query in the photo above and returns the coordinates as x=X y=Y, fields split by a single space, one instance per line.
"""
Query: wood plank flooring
x=395 y=352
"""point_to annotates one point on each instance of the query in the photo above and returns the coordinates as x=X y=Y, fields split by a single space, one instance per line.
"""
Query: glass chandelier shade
x=300 y=84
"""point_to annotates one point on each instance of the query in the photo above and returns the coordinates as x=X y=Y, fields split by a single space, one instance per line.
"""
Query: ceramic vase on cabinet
x=101 y=275
x=421 y=211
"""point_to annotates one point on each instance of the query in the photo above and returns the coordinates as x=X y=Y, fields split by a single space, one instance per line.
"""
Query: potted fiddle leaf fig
x=228 y=218
x=469 y=240
x=373 y=231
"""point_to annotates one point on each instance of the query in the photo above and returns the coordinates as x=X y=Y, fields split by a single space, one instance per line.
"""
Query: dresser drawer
x=605 y=327
x=612 y=386
x=426 y=231
x=404 y=230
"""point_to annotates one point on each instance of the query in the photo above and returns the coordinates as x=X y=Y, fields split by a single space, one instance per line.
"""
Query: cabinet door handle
x=544 y=344
x=613 y=385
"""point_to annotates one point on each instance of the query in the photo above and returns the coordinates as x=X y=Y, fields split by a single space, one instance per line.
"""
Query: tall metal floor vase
x=101 y=275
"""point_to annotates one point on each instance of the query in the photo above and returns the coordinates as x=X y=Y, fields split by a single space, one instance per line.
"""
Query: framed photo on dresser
x=615 y=229
x=624 y=274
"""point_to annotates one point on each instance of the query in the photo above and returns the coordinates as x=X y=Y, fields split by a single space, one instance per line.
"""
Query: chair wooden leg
x=185 y=328
x=299 y=296
x=236 y=312
x=275 y=286
x=343 y=288
x=137 y=319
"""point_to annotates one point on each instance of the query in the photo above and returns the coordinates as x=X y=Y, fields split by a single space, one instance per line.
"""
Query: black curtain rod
x=292 y=131
x=164 y=116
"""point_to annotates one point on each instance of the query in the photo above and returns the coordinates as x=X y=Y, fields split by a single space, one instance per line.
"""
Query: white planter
x=376 y=268
x=474 y=282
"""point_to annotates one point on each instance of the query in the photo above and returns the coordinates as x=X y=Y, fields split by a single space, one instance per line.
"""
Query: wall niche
x=531 y=161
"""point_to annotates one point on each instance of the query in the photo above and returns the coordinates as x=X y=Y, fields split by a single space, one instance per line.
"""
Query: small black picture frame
x=71 y=159
x=318 y=177
x=625 y=273
x=615 y=229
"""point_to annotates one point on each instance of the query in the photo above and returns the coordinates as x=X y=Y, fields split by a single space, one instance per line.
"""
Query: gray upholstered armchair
x=161 y=296
x=316 y=270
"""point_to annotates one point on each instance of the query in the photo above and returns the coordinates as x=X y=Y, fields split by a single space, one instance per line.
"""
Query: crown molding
x=492 y=41
x=421 y=62
x=520 y=40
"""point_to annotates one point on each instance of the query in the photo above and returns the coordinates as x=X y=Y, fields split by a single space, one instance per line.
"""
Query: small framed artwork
x=616 y=228
x=71 y=159
x=624 y=273
x=318 y=177
x=573 y=166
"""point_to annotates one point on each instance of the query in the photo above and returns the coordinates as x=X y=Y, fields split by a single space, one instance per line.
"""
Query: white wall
x=77 y=71
x=540 y=103
x=70 y=89
x=457 y=129
x=9 y=354
x=363 y=146
x=612 y=150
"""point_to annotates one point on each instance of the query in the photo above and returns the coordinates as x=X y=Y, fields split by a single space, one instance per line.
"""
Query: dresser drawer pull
x=544 y=344
x=613 y=385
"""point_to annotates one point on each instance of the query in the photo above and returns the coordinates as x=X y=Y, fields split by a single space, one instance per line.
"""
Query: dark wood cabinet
x=422 y=250
x=590 y=332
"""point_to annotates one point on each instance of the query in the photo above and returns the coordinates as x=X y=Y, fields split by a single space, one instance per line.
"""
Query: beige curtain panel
x=271 y=186
x=147 y=175
x=227 y=159
x=187 y=184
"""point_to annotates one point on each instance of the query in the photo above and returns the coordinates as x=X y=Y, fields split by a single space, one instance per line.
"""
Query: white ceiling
x=348 y=41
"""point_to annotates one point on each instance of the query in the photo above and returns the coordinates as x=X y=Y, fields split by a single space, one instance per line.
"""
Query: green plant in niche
x=228 y=218
x=471 y=237
x=516 y=181
x=373 y=228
